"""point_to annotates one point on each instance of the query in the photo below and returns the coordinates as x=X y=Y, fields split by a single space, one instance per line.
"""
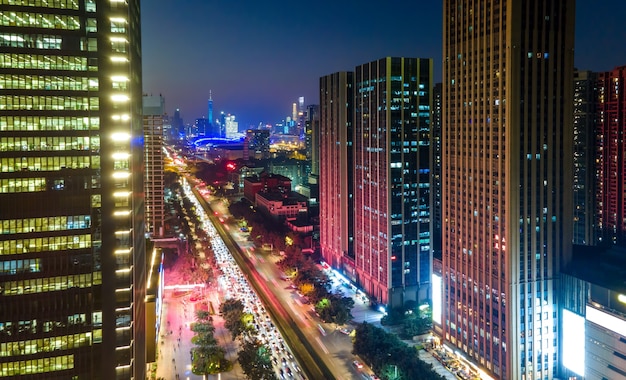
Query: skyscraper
x=507 y=180
x=231 y=127
x=336 y=170
x=611 y=155
x=392 y=202
x=72 y=248
x=153 y=118
x=584 y=157
x=177 y=124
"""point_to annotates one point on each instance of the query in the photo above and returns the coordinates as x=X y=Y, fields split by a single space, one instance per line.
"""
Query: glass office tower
x=72 y=246
x=506 y=180
x=392 y=200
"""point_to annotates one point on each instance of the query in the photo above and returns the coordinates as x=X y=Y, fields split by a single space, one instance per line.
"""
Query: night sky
x=258 y=57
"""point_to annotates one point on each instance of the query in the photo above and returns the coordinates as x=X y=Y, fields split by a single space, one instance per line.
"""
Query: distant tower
x=294 y=112
x=232 y=127
x=178 y=124
x=210 y=132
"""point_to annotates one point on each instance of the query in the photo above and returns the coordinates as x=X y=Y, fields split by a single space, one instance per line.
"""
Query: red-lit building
x=610 y=157
x=336 y=171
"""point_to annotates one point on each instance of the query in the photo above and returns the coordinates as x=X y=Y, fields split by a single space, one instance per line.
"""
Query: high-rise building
x=392 y=201
x=312 y=137
x=584 y=157
x=258 y=143
x=153 y=119
x=201 y=127
x=178 y=124
x=231 y=127
x=611 y=155
x=336 y=170
x=72 y=247
x=506 y=180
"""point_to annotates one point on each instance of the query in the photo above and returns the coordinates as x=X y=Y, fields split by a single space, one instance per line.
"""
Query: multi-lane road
x=326 y=345
x=302 y=346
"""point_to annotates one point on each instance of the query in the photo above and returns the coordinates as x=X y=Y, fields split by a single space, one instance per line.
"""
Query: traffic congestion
x=234 y=285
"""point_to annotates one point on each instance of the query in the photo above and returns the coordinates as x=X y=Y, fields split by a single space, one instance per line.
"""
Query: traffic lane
x=338 y=356
x=281 y=316
x=338 y=362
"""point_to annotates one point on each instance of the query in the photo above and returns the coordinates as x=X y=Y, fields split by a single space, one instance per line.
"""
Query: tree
x=208 y=357
x=415 y=325
x=255 y=360
x=232 y=312
x=389 y=356
x=335 y=309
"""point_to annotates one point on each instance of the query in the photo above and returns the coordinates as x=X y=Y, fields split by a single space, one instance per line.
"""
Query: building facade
x=258 y=143
x=594 y=314
x=72 y=248
x=392 y=229
x=507 y=180
x=611 y=156
x=435 y=159
x=584 y=157
x=153 y=120
x=336 y=168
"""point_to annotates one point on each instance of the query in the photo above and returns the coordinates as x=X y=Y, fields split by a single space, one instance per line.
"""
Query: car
x=345 y=331
x=357 y=364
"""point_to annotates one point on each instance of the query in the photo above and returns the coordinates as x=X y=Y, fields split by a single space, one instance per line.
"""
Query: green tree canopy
x=255 y=360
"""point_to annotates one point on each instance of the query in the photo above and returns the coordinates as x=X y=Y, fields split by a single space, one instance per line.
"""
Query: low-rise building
x=266 y=182
x=593 y=328
x=282 y=206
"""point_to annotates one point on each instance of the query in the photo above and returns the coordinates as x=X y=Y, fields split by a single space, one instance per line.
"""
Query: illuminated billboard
x=437 y=298
x=574 y=342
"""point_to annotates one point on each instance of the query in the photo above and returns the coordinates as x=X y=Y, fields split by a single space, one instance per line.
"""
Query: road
x=334 y=347
x=298 y=322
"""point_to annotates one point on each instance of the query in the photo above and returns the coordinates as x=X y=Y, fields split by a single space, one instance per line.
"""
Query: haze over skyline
x=257 y=58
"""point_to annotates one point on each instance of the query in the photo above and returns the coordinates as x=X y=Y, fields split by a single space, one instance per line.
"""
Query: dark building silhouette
x=178 y=124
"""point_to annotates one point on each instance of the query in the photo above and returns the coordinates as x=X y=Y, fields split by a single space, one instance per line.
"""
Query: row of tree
x=254 y=357
x=208 y=357
x=314 y=284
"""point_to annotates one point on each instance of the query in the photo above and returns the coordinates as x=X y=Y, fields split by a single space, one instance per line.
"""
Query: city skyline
x=253 y=80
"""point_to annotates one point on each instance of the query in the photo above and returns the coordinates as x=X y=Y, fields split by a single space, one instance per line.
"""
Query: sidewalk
x=174 y=347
